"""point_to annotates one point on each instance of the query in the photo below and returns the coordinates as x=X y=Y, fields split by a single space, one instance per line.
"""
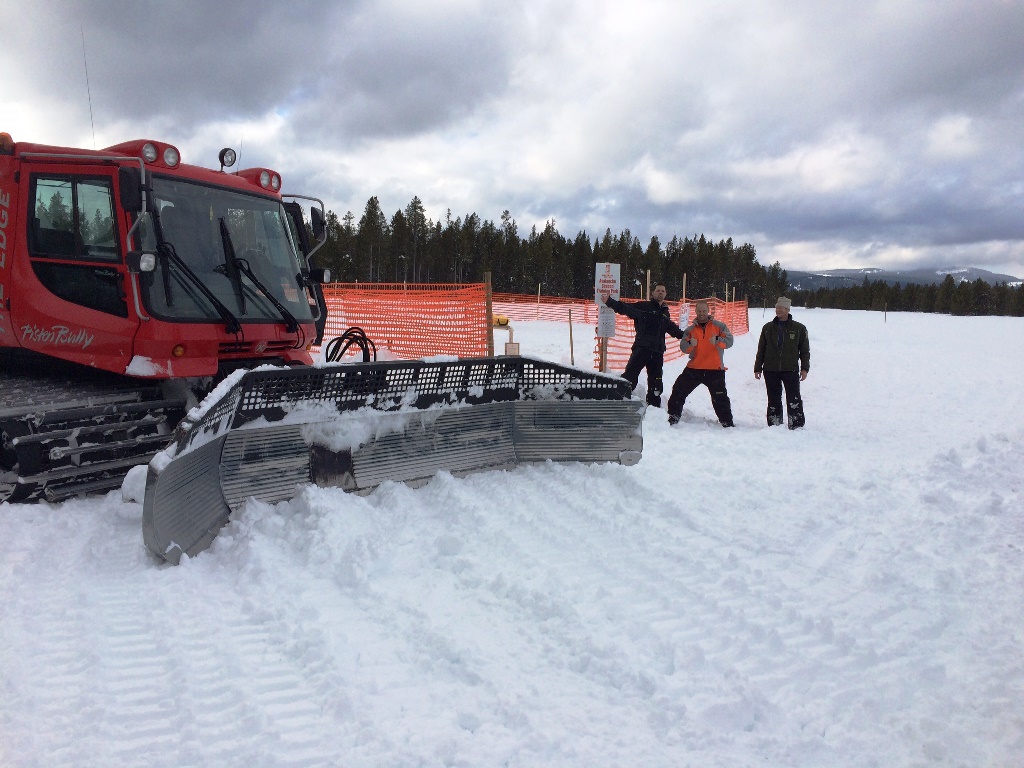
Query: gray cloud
x=178 y=61
x=817 y=131
x=398 y=71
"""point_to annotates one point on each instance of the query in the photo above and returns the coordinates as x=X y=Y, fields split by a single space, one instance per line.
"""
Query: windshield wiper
x=291 y=324
x=230 y=268
x=167 y=252
x=234 y=268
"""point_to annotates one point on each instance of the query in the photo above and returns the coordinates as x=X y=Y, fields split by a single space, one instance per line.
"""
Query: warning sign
x=606 y=280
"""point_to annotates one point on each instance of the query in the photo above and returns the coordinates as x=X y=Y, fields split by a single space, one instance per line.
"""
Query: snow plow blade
x=264 y=433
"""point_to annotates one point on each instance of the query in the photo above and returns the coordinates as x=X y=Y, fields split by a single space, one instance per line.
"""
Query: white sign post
x=606 y=280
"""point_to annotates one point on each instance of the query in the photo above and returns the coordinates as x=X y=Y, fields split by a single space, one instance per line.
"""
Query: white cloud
x=952 y=137
x=843 y=161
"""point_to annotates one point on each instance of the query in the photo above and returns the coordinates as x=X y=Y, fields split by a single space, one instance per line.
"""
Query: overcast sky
x=827 y=134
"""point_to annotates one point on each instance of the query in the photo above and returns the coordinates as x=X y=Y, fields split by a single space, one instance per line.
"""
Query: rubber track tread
x=59 y=432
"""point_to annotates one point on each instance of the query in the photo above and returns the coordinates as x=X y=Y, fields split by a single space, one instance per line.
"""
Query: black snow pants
x=654 y=362
x=689 y=380
x=774 y=381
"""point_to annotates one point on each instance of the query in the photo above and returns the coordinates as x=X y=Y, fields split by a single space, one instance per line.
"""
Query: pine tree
x=962 y=300
x=981 y=298
x=416 y=221
x=371 y=241
x=399 y=239
x=944 y=295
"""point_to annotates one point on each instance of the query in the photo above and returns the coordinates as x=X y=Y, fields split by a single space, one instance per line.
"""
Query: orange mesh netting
x=421 y=320
x=523 y=307
x=732 y=313
x=411 y=320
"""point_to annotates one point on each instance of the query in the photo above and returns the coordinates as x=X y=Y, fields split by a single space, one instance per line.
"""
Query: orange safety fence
x=412 y=320
x=418 y=320
x=518 y=306
x=732 y=313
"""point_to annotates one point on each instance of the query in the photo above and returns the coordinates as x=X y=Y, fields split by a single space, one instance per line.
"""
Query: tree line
x=410 y=247
x=948 y=297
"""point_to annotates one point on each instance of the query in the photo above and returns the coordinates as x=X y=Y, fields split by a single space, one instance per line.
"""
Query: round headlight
x=171 y=157
x=227 y=157
x=275 y=182
x=264 y=179
x=149 y=153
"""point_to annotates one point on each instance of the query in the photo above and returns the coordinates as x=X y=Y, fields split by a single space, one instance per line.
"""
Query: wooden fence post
x=490 y=316
x=572 y=350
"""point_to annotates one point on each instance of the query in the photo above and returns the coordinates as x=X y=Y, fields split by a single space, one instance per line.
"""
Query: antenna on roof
x=88 y=90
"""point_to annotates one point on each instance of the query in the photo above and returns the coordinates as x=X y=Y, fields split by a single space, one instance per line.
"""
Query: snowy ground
x=851 y=594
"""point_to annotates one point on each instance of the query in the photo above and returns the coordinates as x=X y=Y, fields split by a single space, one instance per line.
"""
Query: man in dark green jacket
x=784 y=355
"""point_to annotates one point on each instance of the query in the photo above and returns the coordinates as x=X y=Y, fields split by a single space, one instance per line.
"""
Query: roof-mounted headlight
x=171 y=157
x=265 y=178
x=227 y=157
x=149 y=153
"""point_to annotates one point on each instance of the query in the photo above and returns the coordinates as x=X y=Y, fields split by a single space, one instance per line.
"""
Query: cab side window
x=73 y=219
x=73 y=243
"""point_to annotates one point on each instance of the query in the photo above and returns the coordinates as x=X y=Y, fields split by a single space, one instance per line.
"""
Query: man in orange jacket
x=705 y=341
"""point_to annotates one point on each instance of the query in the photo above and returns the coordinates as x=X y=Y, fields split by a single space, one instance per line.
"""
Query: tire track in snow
x=682 y=602
x=459 y=638
x=300 y=644
x=143 y=674
x=648 y=623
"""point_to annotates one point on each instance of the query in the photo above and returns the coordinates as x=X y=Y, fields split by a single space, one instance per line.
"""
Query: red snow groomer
x=132 y=284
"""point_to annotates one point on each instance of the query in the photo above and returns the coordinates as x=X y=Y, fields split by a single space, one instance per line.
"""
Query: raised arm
x=628 y=310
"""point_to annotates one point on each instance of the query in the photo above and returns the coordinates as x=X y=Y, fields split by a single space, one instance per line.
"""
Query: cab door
x=71 y=298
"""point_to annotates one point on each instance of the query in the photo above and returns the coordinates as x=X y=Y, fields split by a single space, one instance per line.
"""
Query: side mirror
x=317 y=221
x=130 y=182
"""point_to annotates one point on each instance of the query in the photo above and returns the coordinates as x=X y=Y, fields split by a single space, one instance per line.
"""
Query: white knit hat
x=782 y=301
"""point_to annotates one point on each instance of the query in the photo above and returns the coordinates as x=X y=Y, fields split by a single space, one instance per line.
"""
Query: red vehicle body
x=68 y=289
x=127 y=261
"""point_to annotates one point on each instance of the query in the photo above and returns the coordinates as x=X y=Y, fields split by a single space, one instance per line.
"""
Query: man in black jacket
x=652 y=321
x=784 y=354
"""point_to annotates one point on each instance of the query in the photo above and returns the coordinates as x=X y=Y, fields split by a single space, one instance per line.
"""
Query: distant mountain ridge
x=845 y=278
